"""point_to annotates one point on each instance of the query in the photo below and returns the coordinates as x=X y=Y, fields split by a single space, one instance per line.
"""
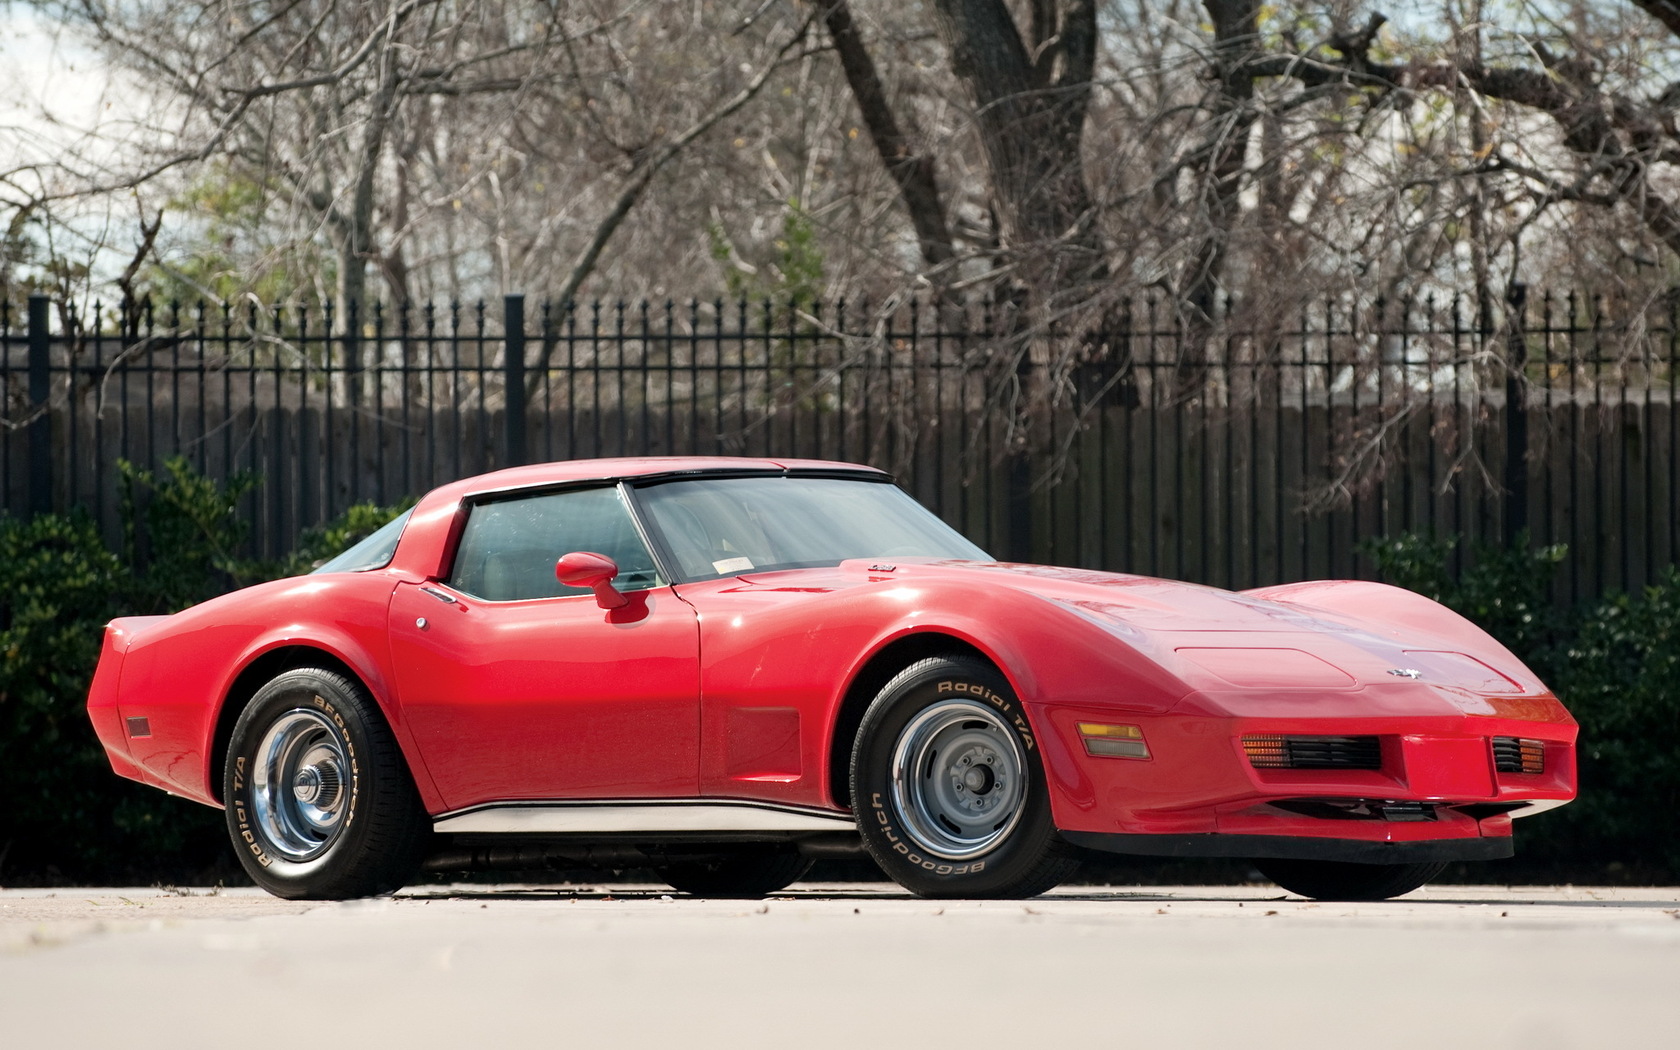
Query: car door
x=516 y=687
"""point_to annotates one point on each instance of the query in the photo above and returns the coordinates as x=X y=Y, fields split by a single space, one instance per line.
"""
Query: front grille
x=1519 y=755
x=1359 y=809
x=1276 y=751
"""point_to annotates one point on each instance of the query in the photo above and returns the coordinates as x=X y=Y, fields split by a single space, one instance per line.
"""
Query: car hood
x=1217 y=641
x=1142 y=602
x=1145 y=602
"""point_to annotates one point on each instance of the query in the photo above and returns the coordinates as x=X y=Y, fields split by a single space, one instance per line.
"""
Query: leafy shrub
x=67 y=816
x=65 y=811
x=181 y=535
x=1621 y=678
x=1614 y=661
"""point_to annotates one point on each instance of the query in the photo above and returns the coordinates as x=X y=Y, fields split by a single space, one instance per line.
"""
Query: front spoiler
x=1290 y=847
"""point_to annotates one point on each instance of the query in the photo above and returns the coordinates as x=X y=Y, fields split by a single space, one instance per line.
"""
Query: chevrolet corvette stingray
x=722 y=669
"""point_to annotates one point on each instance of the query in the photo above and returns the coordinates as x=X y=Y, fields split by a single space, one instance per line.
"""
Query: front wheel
x=1334 y=880
x=948 y=787
x=319 y=802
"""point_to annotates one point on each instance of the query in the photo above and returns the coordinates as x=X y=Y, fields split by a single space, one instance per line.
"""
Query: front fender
x=1058 y=658
x=1049 y=650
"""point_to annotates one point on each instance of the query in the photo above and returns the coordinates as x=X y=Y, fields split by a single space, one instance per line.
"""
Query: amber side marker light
x=1270 y=751
x=1108 y=741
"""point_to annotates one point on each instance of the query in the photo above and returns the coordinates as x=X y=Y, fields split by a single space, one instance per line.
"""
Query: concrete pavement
x=1536 y=968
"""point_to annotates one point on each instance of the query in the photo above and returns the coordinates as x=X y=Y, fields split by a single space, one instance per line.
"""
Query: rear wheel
x=948 y=787
x=1331 y=880
x=747 y=874
x=319 y=802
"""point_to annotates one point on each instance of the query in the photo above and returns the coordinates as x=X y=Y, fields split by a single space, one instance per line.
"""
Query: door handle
x=439 y=595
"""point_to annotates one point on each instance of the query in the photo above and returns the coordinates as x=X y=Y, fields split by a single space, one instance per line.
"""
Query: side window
x=509 y=547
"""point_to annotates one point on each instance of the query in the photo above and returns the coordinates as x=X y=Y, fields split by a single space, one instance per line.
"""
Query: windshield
x=726 y=526
x=372 y=553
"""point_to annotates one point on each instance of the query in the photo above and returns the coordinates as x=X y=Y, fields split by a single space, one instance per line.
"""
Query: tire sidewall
x=885 y=833
x=341 y=711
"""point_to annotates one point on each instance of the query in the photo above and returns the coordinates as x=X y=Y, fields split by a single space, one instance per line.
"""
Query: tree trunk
x=1225 y=155
x=903 y=154
x=1235 y=35
x=356 y=248
x=1030 y=111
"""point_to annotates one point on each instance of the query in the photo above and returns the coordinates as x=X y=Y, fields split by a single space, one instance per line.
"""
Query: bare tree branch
x=906 y=159
x=643 y=174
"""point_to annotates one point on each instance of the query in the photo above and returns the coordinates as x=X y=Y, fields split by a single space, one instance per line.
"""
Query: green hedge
x=1615 y=663
x=67 y=817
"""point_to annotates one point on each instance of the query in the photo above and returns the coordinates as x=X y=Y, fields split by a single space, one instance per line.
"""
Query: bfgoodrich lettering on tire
x=949 y=789
x=319 y=802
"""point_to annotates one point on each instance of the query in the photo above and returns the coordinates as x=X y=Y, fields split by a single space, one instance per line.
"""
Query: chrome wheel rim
x=300 y=786
x=959 y=779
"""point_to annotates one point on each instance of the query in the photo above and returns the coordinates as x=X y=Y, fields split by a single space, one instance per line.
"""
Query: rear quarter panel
x=179 y=671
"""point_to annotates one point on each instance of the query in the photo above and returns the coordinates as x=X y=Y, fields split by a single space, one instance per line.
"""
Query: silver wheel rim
x=959 y=779
x=301 y=785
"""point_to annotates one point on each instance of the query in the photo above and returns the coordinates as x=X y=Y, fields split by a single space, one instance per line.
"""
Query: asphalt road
x=841 y=966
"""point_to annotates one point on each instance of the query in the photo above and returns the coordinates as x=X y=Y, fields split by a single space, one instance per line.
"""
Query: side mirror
x=595 y=571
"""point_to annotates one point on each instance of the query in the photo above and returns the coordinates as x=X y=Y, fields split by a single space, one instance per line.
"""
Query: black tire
x=1332 y=880
x=749 y=874
x=320 y=804
x=975 y=821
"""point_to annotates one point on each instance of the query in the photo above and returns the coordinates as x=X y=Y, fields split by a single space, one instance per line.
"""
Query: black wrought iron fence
x=1250 y=450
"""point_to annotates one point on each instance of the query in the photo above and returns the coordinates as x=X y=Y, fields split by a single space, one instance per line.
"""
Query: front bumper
x=1438 y=793
x=1353 y=851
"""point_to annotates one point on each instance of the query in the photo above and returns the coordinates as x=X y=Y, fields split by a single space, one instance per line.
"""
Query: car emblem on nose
x=1406 y=672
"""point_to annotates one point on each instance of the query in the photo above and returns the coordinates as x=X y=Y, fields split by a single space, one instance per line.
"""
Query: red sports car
x=724 y=668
